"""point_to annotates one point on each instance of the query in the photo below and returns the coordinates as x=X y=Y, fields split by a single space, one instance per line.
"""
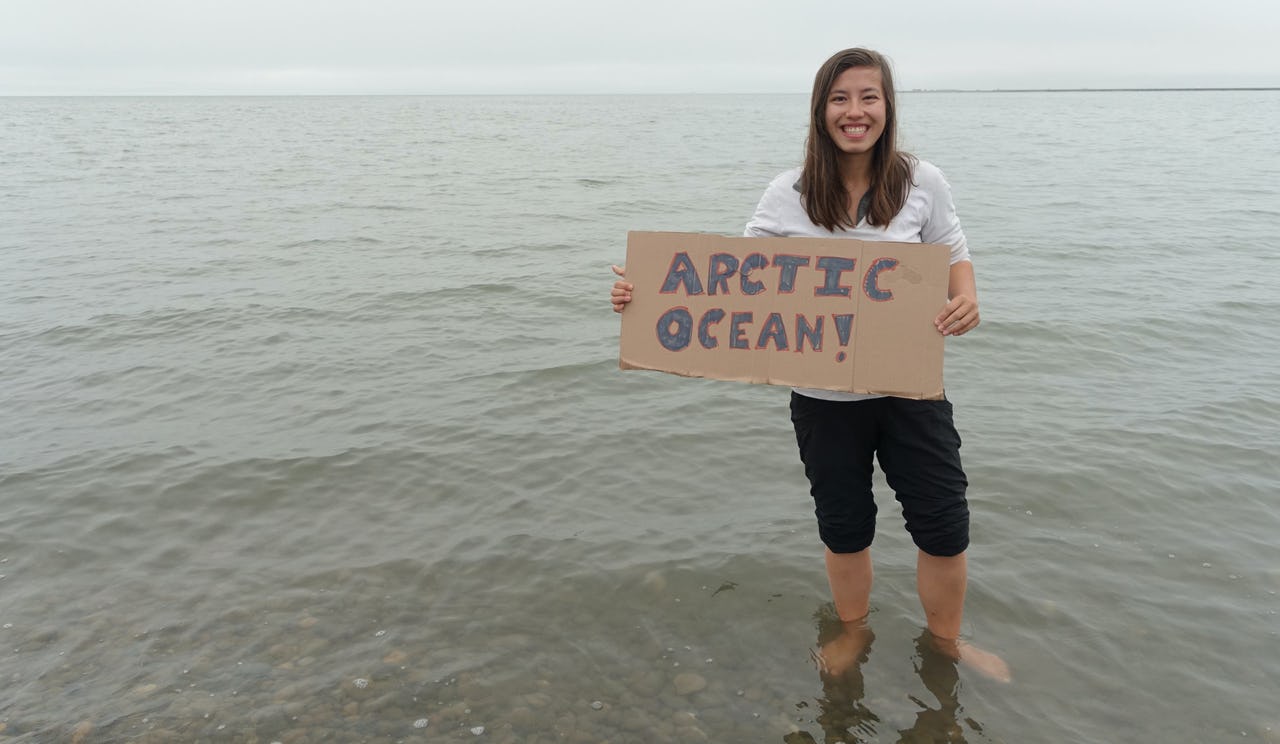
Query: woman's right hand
x=621 y=293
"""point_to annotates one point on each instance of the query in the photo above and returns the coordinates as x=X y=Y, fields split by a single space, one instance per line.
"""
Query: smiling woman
x=856 y=183
x=854 y=105
x=856 y=109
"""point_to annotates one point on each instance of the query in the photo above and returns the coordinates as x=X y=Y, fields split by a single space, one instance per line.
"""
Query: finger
x=951 y=324
x=954 y=312
x=962 y=325
x=619 y=270
x=948 y=314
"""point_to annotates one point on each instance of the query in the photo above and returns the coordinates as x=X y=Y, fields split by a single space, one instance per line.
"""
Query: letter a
x=682 y=272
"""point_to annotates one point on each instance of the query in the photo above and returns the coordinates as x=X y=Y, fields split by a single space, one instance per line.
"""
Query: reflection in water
x=844 y=717
x=844 y=648
x=938 y=672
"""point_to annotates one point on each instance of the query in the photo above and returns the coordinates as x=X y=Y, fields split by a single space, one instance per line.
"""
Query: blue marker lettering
x=754 y=261
x=738 y=334
x=682 y=272
x=678 y=339
x=709 y=318
x=834 y=266
x=844 y=327
x=870 y=286
x=774 y=329
x=787 y=277
x=723 y=266
x=813 y=333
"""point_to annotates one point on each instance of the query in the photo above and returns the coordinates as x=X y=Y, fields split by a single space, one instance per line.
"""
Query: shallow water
x=314 y=429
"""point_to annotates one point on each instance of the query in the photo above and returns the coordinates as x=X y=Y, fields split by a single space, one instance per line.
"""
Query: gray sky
x=77 y=47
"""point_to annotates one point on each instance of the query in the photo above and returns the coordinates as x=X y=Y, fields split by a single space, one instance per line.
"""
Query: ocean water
x=313 y=428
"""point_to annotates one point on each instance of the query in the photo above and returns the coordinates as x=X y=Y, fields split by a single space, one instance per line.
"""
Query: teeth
x=855 y=130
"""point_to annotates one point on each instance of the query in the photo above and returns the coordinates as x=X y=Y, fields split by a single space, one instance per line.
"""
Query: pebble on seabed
x=478 y=730
x=689 y=683
x=81 y=732
x=420 y=723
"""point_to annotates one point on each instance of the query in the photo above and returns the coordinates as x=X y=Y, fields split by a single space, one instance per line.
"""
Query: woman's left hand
x=959 y=316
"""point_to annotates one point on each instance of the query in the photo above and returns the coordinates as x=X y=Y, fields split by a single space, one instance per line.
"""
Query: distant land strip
x=1082 y=90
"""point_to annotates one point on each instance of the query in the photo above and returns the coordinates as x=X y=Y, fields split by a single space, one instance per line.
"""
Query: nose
x=853 y=108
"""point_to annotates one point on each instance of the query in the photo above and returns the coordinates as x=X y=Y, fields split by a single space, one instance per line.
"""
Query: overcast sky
x=77 y=47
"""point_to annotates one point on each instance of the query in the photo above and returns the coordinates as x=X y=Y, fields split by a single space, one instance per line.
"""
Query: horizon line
x=1251 y=88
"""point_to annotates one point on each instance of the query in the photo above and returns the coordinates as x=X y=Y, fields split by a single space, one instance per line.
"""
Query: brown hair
x=824 y=196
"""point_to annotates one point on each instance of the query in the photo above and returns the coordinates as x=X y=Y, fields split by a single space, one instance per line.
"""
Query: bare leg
x=850 y=576
x=941 y=582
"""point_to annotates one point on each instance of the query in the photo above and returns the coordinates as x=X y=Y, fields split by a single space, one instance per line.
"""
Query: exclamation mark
x=844 y=329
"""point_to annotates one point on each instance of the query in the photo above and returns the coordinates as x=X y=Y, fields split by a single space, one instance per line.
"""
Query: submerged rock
x=81 y=732
x=689 y=683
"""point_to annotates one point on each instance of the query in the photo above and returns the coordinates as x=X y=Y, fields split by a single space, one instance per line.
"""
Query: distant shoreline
x=1247 y=89
x=1082 y=90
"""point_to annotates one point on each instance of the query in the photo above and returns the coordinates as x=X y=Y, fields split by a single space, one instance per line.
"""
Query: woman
x=855 y=183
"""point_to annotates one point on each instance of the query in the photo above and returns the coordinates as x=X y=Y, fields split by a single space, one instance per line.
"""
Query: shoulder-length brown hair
x=824 y=196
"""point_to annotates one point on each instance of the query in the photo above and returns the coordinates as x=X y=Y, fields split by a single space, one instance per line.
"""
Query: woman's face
x=855 y=114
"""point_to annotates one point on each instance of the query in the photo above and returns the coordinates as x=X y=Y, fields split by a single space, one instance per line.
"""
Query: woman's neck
x=855 y=172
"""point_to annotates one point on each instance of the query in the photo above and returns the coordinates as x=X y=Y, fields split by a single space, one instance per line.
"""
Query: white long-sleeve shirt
x=928 y=216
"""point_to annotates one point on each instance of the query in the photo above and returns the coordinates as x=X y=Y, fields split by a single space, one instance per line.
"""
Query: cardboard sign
x=828 y=313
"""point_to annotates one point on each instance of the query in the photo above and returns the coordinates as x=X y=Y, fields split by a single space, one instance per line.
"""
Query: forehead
x=858 y=79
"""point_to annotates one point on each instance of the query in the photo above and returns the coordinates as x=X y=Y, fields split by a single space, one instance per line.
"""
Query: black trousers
x=918 y=448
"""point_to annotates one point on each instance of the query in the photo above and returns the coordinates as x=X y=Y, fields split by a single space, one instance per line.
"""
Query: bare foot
x=984 y=662
x=980 y=660
x=838 y=656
